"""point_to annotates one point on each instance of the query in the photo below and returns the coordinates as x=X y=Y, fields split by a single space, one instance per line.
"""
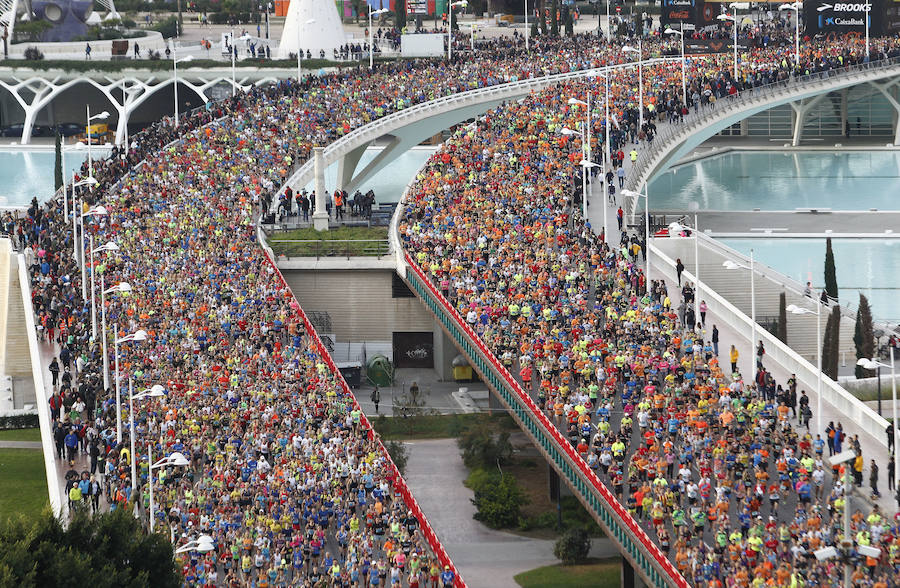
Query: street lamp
x=93 y=211
x=732 y=265
x=646 y=197
x=299 y=51
x=796 y=6
x=152 y=392
x=176 y=459
x=75 y=218
x=526 y=26
x=733 y=18
x=139 y=335
x=463 y=4
x=102 y=116
x=671 y=31
x=175 y=63
x=122 y=287
x=371 y=37
x=794 y=309
x=870 y=364
x=640 y=53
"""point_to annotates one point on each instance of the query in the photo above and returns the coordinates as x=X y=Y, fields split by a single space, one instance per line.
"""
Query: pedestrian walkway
x=20 y=445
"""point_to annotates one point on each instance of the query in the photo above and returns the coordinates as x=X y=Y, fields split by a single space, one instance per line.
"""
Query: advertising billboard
x=678 y=11
x=843 y=17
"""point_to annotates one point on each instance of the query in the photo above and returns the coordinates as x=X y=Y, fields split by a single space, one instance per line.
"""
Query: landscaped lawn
x=595 y=573
x=20 y=434
x=438 y=426
x=23 y=482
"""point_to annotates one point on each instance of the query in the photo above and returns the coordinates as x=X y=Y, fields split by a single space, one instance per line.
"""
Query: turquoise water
x=29 y=174
x=782 y=181
x=869 y=266
x=390 y=182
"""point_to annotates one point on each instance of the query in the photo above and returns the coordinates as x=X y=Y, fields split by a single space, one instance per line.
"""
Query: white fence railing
x=777 y=351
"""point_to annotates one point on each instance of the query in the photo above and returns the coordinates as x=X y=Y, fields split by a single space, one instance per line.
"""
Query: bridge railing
x=620 y=526
x=705 y=115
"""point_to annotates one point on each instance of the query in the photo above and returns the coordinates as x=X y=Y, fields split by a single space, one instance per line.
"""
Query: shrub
x=573 y=547
x=218 y=18
x=19 y=421
x=33 y=54
x=168 y=27
x=498 y=498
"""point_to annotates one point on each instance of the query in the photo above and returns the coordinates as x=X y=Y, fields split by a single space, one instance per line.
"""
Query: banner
x=677 y=11
x=707 y=46
x=413 y=349
x=844 y=17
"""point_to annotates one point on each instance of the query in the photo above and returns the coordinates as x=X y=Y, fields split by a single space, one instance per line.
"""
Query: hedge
x=19 y=421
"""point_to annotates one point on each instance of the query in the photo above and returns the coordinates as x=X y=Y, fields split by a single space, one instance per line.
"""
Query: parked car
x=15 y=130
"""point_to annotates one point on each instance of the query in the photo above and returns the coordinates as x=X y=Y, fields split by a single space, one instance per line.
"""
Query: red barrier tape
x=397 y=480
x=564 y=444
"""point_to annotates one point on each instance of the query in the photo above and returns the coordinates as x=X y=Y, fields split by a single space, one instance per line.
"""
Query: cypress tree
x=831 y=287
x=57 y=168
x=830 y=345
x=864 y=336
x=782 y=318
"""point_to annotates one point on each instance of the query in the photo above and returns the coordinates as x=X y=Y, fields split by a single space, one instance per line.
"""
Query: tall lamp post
x=371 y=37
x=732 y=265
x=463 y=4
x=93 y=211
x=640 y=53
x=139 y=335
x=526 y=26
x=152 y=392
x=75 y=217
x=176 y=459
x=794 y=309
x=646 y=197
x=796 y=7
x=734 y=19
x=671 y=31
x=122 y=287
x=871 y=364
x=175 y=63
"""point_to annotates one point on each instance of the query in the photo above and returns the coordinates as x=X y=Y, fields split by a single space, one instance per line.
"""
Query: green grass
x=595 y=573
x=20 y=434
x=23 y=482
x=441 y=426
x=343 y=241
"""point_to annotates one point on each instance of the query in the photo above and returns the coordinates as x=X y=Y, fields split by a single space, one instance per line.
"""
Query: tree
x=57 y=167
x=831 y=344
x=554 y=18
x=573 y=547
x=33 y=30
x=100 y=550
x=480 y=447
x=498 y=498
x=568 y=21
x=831 y=287
x=400 y=13
x=399 y=454
x=864 y=336
x=782 y=318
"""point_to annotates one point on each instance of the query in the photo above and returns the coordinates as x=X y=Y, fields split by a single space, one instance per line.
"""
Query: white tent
x=324 y=32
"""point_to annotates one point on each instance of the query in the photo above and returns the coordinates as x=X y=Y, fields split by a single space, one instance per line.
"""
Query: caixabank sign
x=844 y=17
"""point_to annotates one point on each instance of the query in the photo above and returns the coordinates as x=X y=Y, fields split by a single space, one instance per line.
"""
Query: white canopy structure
x=324 y=32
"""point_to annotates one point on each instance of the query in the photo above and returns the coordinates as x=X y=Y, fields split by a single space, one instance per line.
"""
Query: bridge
x=803 y=93
x=410 y=126
x=125 y=91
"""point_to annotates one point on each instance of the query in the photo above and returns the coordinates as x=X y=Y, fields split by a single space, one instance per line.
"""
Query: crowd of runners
x=283 y=472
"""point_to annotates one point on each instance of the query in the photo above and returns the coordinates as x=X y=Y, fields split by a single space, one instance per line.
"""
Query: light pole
x=640 y=53
x=152 y=392
x=75 y=217
x=526 y=26
x=139 y=335
x=299 y=51
x=732 y=265
x=874 y=364
x=671 y=31
x=586 y=145
x=175 y=63
x=794 y=309
x=463 y=4
x=796 y=6
x=102 y=116
x=646 y=197
x=371 y=37
x=122 y=287
x=202 y=544
x=734 y=19
x=176 y=459
x=93 y=211
x=868 y=7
